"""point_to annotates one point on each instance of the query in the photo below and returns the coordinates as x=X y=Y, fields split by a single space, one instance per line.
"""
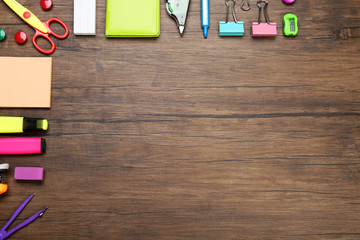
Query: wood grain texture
x=192 y=138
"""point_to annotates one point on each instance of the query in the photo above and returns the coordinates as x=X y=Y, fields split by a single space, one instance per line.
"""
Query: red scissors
x=42 y=29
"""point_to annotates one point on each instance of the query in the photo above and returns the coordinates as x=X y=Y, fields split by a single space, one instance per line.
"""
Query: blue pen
x=205 y=16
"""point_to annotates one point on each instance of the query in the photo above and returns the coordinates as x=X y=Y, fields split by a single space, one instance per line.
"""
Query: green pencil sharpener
x=290 y=22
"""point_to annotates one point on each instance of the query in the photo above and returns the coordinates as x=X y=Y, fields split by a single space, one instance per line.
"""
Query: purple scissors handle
x=47 y=35
x=4 y=234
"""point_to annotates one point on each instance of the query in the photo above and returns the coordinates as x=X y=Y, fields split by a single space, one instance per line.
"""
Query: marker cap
x=31 y=124
x=22 y=124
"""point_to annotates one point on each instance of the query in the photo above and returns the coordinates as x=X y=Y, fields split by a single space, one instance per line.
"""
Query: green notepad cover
x=132 y=18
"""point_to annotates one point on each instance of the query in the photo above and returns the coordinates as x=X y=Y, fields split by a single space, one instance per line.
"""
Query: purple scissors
x=4 y=234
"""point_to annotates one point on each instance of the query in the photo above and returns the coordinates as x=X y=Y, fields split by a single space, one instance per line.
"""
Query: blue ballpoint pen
x=205 y=16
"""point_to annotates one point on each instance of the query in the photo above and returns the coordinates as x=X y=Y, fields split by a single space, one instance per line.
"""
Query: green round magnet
x=2 y=34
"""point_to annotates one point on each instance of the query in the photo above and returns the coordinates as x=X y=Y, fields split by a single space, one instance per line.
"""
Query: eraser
x=29 y=173
x=85 y=17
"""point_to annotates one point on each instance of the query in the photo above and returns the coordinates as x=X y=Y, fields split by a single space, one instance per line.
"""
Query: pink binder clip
x=263 y=29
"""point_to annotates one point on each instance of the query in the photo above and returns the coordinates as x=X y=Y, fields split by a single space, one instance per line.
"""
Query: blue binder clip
x=227 y=28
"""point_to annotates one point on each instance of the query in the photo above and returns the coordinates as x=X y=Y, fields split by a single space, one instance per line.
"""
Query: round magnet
x=20 y=37
x=289 y=1
x=46 y=4
x=2 y=34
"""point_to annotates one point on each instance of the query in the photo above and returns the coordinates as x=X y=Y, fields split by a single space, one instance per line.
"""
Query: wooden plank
x=192 y=138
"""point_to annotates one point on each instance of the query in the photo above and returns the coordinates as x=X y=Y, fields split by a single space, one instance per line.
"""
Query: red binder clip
x=263 y=29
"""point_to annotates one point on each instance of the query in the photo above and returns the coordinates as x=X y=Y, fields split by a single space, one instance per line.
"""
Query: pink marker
x=22 y=145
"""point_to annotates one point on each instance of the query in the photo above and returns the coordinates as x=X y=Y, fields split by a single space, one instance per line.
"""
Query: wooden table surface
x=193 y=138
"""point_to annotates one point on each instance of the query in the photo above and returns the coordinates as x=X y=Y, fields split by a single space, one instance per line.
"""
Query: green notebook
x=138 y=18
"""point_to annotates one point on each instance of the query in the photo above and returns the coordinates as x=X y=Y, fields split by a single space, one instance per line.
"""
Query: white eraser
x=85 y=17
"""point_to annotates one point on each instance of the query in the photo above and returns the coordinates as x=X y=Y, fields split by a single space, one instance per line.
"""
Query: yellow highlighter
x=22 y=124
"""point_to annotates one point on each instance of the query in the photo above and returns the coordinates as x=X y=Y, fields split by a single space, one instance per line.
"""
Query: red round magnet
x=20 y=37
x=46 y=4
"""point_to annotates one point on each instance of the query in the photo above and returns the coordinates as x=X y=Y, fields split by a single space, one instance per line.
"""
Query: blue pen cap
x=205 y=16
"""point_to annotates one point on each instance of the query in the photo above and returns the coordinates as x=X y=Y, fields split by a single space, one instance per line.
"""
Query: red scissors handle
x=47 y=35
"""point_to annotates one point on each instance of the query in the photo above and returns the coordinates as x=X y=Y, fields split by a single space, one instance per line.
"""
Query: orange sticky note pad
x=25 y=82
